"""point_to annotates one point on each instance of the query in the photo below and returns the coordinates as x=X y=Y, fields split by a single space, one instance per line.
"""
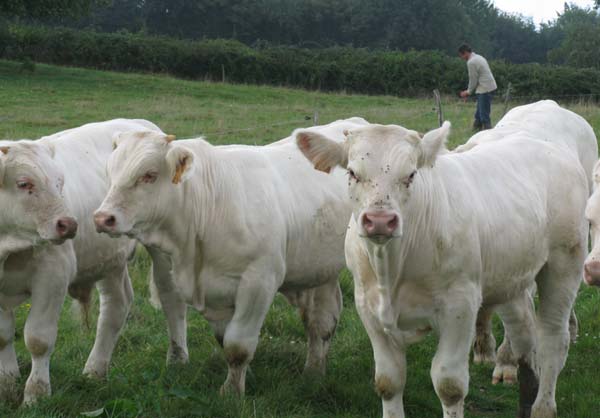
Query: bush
x=332 y=69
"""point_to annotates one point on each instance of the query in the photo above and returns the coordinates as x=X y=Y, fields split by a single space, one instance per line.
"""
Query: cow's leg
x=573 y=326
x=505 y=369
x=116 y=295
x=254 y=296
x=320 y=309
x=557 y=288
x=484 y=347
x=390 y=365
x=9 y=368
x=174 y=308
x=450 y=366
x=519 y=325
x=40 y=336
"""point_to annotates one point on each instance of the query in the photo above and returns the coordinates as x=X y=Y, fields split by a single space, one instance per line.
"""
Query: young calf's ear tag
x=4 y=150
x=170 y=138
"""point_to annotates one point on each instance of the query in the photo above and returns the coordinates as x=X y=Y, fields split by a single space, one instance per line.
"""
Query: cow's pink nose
x=66 y=228
x=591 y=273
x=380 y=223
x=105 y=222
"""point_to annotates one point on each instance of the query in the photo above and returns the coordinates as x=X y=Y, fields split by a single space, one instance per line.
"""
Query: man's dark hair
x=464 y=48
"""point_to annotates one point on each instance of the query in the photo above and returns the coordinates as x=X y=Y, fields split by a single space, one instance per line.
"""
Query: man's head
x=465 y=51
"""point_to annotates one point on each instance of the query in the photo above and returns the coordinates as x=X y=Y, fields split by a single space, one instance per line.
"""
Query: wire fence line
x=304 y=120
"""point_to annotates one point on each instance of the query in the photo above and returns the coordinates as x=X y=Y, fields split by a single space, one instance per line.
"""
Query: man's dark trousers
x=484 y=108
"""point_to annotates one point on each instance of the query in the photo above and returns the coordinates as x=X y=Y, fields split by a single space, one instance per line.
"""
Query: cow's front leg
x=174 y=308
x=450 y=366
x=40 y=336
x=484 y=347
x=116 y=296
x=254 y=296
x=9 y=368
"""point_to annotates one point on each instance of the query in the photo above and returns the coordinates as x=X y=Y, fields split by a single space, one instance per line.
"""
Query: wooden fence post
x=316 y=117
x=438 y=106
x=507 y=98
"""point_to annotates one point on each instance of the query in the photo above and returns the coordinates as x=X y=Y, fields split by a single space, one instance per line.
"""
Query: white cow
x=436 y=235
x=548 y=121
x=591 y=273
x=239 y=224
x=48 y=191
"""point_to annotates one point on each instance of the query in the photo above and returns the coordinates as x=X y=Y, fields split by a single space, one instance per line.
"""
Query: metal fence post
x=316 y=117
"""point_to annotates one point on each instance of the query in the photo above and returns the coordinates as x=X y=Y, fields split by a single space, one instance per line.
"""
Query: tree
x=46 y=8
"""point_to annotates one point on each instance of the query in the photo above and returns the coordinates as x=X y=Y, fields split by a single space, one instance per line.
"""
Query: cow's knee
x=450 y=390
x=37 y=345
x=386 y=388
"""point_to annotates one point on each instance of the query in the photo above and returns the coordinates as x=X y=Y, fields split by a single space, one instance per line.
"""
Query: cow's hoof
x=35 y=390
x=314 y=368
x=505 y=373
x=177 y=355
x=229 y=389
x=544 y=410
x=95 y=372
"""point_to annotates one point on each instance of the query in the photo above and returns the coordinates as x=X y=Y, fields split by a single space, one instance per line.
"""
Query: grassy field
x=139 y=384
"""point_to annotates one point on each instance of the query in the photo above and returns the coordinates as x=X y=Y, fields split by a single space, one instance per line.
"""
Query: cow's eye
x=148 y=178
x=408 y=180
x=352 y=175
x=24 y=185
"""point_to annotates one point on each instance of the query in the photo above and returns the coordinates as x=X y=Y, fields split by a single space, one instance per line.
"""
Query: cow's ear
x=432 y=144
x=3 y=151
x=116 y=138
x=323 y=153
x=181 y=164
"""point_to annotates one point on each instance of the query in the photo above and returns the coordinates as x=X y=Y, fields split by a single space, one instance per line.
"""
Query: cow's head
x=32 y=206
x=591 y=270
x=383 y=164
x=144 y=171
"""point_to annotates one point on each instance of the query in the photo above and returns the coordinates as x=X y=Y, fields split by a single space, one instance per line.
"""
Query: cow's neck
x=424 y=221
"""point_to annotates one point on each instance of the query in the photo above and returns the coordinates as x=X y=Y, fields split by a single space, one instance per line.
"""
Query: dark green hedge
x=332 y=69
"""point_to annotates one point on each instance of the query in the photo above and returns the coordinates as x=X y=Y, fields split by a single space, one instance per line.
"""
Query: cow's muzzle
x=66 y=228
x=591 y=272
x=105 y=222
x=380 y=225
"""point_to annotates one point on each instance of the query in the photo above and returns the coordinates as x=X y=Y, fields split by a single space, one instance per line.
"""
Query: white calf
x=239 y=223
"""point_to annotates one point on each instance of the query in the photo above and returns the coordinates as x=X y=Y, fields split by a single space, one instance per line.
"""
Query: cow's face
x=591 y=273
x=144 y=172
x=32 y=206
x=383 y=164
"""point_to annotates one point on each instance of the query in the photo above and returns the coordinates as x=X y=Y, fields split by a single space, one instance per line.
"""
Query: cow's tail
x=154 y=299
x=83 y=298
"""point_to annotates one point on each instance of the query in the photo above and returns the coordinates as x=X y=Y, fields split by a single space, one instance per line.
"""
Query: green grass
x=54 y=98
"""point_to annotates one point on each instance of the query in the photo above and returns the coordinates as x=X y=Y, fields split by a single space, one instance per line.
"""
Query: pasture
x=139 y=383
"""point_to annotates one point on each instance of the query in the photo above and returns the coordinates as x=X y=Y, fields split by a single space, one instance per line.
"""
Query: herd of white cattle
x=436 y=240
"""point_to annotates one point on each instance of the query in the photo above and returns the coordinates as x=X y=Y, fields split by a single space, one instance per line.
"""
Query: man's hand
x=464 y=94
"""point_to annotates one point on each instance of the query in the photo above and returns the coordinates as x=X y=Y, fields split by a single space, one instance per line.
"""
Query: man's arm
x=473 y=77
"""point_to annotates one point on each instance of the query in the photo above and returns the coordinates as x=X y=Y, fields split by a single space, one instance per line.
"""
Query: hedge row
x=332 y=69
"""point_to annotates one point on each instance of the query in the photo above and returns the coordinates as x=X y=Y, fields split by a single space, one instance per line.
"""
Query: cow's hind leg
x=484 y=347
x=519 y=325
x=320 y=309
x=9 y=368
x=558 y=283
x=116 y=295
x=505 y=369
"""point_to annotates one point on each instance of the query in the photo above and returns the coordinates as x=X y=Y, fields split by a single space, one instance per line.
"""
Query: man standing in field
x=482 y=83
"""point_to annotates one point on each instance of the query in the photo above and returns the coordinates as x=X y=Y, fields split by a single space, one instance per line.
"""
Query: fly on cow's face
x=352 y=175
x=408 y=180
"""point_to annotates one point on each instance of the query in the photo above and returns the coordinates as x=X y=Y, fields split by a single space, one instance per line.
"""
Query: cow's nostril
x=61 y=227
x=110 y=221
x=367 y=222
x=393 y=223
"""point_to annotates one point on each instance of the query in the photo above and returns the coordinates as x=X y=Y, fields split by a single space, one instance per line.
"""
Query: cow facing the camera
x=436 y=235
